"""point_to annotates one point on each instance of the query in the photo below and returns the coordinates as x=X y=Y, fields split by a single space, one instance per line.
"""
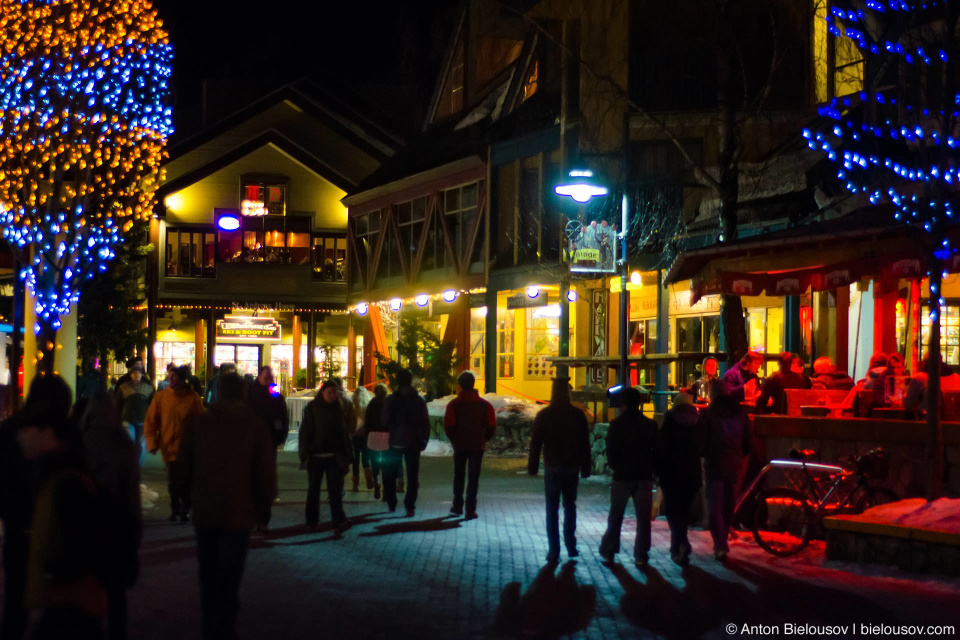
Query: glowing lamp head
x=572 y=295
x=581 y=186
x=635 y=278
x=533 y=291
x=422 y=300
x=362 y=308
x=228 y=222
x=395 y=304
x=449 y=295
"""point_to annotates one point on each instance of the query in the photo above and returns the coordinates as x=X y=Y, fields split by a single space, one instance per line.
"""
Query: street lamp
x=582 y=186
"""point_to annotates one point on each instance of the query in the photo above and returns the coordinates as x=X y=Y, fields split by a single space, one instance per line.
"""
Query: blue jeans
x=222 y=554
x=393 y=459
x=461 y=461
x=720 y=492
x=557 y=484
x=620 y=492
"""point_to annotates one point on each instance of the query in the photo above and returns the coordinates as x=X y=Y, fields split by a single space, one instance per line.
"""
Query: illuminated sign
x=253 y=208
x=233 y=328
x=593 y=248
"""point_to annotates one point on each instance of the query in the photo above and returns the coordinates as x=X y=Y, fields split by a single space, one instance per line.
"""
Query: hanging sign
x=594 y=249
x=234 y=328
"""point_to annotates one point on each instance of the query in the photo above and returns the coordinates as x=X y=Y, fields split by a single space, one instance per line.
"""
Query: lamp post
x=581 y=186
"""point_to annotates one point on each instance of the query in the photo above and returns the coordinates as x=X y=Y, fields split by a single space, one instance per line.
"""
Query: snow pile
x=438 y=408
x=438 y=449
x=939 y=515
x=512 y=405
x=148 y=497
x=293 y=441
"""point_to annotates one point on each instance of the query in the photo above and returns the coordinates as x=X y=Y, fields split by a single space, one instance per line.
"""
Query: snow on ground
x=438 y=449
x=503 y=405
x=148 y=497
x=939 y=515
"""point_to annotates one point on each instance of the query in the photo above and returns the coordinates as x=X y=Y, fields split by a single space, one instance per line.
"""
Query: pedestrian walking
x=560 y=431
x=268 y=403
x=632 y=450
x=47 y=395
x=230 y=475
x=133 y=398
x=66 y=559
x=91 y=381
x=682 y=442
x=406 y=418
x=325 y=450
x=727 y=435
x=165 y=383
x=113 y=463
x=212 y=392
x=378 y=436
x=470 y=423
x=163 y=429
x=361 y=454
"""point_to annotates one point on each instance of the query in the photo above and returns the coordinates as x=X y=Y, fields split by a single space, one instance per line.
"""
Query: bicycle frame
x=806 y=484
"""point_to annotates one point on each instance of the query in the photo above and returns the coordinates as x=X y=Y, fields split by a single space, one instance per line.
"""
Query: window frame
x=316 y=268
x=192 y=231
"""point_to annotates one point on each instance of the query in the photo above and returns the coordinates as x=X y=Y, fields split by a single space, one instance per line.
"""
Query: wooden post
x=297 y=341
x=211 y=341
x=843 y=328
x=351 y=382
x=311 y=347
x=199 y=339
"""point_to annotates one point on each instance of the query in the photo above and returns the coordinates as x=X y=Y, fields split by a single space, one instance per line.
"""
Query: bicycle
x=786 y=517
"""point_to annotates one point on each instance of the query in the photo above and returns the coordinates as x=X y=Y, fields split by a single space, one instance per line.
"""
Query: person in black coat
x=727 y=433
x=632 y=451
x=775 y=387
x=682 y=442
x=325 y=449
x=405 y=416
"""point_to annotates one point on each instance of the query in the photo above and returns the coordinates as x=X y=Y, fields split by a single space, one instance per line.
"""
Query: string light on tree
x=84 y=119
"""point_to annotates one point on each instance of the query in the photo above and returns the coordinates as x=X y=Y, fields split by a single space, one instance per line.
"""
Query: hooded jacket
x=561 y=432
x=728 y=438
x=682 y=441
x=831 y=381
x=633 y=447
x=406 y=418
x=163 y=425
x=469 y=421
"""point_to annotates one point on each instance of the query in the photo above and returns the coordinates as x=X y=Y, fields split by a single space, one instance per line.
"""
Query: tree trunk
x=47 y=348
x=934 y=448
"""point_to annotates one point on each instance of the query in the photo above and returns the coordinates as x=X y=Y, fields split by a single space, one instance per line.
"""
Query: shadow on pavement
x=277 y=537
x=433 y=524
x=553 y=605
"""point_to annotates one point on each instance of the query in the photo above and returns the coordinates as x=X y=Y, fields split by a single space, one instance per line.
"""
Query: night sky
x=245 y=48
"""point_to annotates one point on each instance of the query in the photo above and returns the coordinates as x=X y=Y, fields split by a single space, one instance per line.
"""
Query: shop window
x=478 y=333
x=644 y=332
x=246 y=357
x=179 y=353
x=543 y=341
x=701 y=333
x=949 y=333
x=505 y=343
x=435 y=251
x=765 y=333
x=331 y=360
x=190 y=254
x=329 y=257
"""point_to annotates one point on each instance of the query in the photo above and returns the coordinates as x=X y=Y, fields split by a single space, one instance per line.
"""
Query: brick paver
x=435 y=576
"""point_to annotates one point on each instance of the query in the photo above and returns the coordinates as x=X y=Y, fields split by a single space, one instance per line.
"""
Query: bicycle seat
x=802 y=454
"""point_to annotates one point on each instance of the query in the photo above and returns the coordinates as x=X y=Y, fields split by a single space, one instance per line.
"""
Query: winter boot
x=356 y=482
x=368 y=476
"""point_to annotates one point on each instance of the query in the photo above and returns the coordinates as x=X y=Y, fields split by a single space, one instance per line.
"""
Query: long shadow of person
x=278 y=537
x=660 y=607
x=553 y=605
x=433 y=524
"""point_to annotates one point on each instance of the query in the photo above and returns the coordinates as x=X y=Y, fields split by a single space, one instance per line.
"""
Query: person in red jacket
x=470 y=423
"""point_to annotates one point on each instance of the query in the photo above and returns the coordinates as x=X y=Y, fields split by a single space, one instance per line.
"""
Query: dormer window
x=264 y=197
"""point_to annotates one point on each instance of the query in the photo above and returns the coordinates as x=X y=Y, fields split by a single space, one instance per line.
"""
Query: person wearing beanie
x=325 y=448
x=561 y=433
x=470 y=423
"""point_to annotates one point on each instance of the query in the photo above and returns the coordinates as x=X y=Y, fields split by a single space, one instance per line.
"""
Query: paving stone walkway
x=436 y=576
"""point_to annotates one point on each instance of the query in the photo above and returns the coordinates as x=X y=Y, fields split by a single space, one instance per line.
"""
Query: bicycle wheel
x=783 y=521
x=874 y=496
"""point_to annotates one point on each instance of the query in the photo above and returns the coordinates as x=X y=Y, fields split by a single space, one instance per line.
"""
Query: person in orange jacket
x=163 y=430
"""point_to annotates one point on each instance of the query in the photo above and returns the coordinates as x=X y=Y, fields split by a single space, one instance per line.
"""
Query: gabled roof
x=270 y=137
